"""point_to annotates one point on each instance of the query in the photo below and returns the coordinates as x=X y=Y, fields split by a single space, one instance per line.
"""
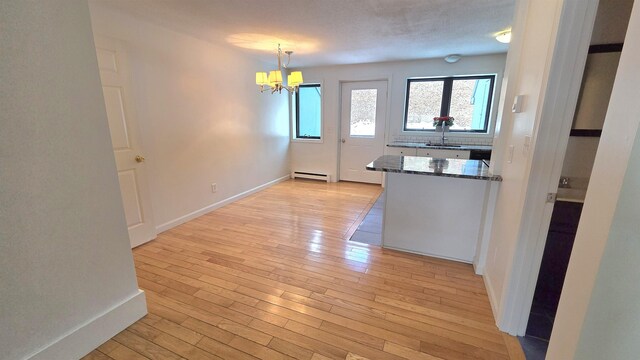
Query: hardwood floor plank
x=96 y=355
x=208 y=330
x=107 y=346
x=259 y=314
x=293 y=350
x=289 y=314
x=165 y=312
x=222 y=350
x=272 y=276
x=124 y=353
x=143 y=346
x=361 y=337
x=339 y=341
x=308 y=301
x=407 y=353
x=171 y=343
x=258 y=350
x=301 y=340
x=178 y=331
x=245 y=331
x=185 y=309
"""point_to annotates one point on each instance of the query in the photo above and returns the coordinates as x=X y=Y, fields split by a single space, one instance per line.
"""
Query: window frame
x=445 y=105
x=296 y=112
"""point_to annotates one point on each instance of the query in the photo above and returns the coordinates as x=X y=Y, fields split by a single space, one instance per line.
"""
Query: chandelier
x=273 y=81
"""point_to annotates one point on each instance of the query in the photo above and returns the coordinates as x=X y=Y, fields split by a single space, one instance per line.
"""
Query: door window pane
x=425 y=101
x=469 y=103
x=363 y=112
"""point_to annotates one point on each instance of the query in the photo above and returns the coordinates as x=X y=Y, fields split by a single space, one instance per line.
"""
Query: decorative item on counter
x=443 y=121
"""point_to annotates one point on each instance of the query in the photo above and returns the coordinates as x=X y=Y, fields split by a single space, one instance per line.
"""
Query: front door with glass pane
x=363 y=120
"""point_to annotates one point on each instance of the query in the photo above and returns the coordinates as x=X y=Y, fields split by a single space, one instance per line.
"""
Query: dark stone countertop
x=420 y=165
x=437 y=146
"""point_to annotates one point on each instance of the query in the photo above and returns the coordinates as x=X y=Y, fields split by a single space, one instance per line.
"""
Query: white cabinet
x=444 y=154
x=400 y=151
x=418 y=215
x=435 y=153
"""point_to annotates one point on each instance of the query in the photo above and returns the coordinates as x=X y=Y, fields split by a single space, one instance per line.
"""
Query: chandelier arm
x=279 y=58
x=288 y=59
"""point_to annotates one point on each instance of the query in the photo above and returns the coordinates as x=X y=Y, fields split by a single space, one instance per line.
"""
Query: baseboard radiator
x=310 y=175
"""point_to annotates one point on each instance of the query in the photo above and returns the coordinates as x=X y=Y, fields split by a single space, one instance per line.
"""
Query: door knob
x=139 y=158
x=344 y=141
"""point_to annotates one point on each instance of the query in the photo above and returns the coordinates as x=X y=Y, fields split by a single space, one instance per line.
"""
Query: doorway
x=597 y=84
x=127 y=150
x=363 y=123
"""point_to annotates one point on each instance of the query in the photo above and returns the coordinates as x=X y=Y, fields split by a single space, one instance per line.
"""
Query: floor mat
x=370 y=230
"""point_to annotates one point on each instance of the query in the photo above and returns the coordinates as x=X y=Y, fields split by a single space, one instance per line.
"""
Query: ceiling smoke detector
x=453 y=58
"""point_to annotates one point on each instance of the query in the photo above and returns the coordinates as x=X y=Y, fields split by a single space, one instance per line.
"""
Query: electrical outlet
x=214 y=187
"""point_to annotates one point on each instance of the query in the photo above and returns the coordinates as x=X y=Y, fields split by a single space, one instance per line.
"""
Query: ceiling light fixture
x=273 y=81
x=504 y=36
x=453 y=58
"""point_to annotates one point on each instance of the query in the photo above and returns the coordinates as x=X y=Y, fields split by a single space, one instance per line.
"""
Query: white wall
x=612 y=20
x=64 y=249
x=578 y=160
x=323 y=157
x=605 y=253
x=201 y=116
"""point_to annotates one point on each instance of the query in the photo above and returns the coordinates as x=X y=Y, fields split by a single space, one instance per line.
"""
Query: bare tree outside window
x=363 y=112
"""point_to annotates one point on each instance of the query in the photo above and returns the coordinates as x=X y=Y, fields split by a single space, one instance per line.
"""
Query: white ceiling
x=325 y=32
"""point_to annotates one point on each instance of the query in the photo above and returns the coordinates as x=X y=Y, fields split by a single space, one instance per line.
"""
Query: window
x=308 y=112
x=363 y=112
x=466 y=98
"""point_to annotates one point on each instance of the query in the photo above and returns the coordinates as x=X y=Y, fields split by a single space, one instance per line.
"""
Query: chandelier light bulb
x=273 y=80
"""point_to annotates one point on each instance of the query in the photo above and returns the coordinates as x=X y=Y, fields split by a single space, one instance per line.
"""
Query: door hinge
x=551 y=197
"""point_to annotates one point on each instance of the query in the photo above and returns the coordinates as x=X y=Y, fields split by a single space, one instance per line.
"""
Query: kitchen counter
x=437 y=207
x=418 y=165
x=438 y=146
x=571 y=195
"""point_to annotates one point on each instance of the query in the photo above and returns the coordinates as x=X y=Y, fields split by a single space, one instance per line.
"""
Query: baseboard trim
x=88 y=336
x=492 y=297
x=183 y=219
x=427 y=254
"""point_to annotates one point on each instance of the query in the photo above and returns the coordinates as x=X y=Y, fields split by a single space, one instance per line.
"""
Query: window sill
x=449 y=133
x=309 y=141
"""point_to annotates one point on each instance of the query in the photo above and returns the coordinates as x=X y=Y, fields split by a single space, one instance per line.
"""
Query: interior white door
x=125 y=140
x=363 y=122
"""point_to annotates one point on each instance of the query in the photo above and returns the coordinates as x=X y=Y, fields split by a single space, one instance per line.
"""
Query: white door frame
x=551 y=135
x=386 y=78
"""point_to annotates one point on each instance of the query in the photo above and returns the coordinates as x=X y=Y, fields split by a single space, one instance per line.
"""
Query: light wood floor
x=272 y=277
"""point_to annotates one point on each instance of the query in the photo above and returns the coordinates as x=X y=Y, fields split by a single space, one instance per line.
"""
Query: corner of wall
x=88 y=336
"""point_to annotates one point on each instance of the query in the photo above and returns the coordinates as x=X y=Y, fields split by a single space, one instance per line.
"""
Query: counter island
x=437 y=207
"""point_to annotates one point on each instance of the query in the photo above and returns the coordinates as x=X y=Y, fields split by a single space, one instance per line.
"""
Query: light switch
x=517 y=104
